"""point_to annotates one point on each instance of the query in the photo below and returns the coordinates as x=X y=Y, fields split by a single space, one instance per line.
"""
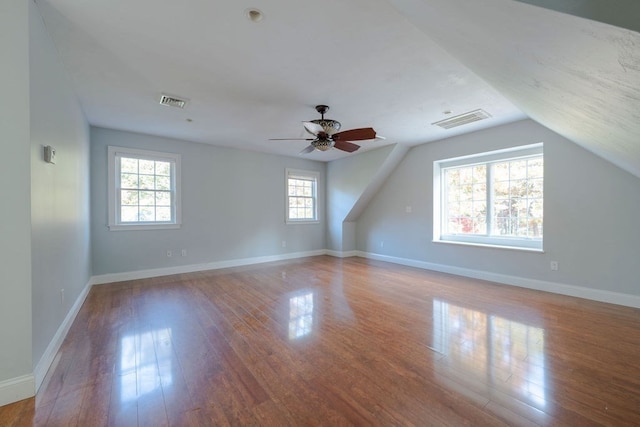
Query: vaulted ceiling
x=397 y=65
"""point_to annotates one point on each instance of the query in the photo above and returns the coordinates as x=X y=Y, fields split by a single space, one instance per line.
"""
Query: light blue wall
x=591 y=214
x=60 y=237
x=347 y=179
x=233 y=205
x=15 y=215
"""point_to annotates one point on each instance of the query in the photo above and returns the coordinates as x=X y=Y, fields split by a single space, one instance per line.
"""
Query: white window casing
x=301 y=196
x=490 y=199
x=141 y=199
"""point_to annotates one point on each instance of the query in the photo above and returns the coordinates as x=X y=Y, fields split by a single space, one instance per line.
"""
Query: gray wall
x=591 y=214
x=15 y=215
x=60 y=238
x=232 y=207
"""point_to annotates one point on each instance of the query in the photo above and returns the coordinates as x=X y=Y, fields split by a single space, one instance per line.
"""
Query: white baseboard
x=156 y=272
x=540 y=285
x=342 y=254
x=16 y=389
x=50 y=352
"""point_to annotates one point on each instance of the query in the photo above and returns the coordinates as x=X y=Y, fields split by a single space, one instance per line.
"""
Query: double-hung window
x=144 y=189
x=493 y=198
x=302 y=196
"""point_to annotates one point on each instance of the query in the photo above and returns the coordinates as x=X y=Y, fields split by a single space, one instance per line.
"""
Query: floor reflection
x=300 y=315
x=491 y=350
x=145 y=363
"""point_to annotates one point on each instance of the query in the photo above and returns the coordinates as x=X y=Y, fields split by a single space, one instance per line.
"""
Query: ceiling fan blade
x=307 y=150
x=349 y=147
x=313 y=128
x=354 y=135
x=291 y=139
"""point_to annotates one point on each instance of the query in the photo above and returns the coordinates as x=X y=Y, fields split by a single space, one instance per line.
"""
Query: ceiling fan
x=326 y=135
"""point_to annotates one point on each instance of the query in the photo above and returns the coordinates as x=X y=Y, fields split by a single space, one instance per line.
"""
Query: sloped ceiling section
x=621 y=13
x=578 y=77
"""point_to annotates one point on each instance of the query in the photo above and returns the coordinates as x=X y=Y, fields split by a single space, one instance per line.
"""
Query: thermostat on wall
x=50 y=154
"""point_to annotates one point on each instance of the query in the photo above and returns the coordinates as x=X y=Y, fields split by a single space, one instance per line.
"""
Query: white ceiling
x=394 y=65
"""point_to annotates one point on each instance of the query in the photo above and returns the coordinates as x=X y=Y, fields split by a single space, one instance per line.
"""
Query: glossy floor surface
x=326 y=341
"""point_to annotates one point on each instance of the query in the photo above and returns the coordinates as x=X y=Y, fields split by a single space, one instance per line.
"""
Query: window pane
x=163 y=183
x=163 y=198
x=163 y=168
x=535 y=188
x=129 y=214
x=518 y=169
x=163 y=214
x=147 y=182
x=480 y=225
x=147 y=198
x=147 y=167
x=129 y=165
x=129 y=180
x=147 y=213
x=501 y=172
x=128 y=197
x=535 y=168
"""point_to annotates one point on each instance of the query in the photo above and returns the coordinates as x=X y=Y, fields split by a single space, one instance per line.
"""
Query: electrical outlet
x=554 y=265
x=408 y=209
x=382 y=244
x=169 y=254
x=184 y=252
x=284 y=243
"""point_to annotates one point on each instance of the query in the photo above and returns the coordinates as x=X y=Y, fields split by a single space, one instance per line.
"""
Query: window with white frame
x=493 y=198
x=144 y=189
x=302 y=196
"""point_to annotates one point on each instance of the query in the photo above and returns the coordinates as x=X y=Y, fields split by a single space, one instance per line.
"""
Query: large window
x=302 y=200
x=492 y=198
x=144 y=189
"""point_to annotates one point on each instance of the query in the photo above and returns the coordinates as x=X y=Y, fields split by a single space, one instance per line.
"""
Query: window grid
x=515 y=192
x=145 y=191
x=518 y=198
x=301 y=197
x=493 y=198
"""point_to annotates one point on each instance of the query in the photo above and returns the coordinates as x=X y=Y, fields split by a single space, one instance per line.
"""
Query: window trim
x=113 y=181
x=304 y=174
x=514 y=243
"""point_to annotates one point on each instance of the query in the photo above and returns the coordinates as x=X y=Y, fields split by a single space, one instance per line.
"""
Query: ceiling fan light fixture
x=323 y=144
x=329 y=126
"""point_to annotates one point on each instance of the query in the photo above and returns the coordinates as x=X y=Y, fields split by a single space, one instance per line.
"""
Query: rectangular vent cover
x=463 y=119
x=172 y=101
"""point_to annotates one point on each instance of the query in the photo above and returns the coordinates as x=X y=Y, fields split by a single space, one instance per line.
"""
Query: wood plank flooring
x=332 y=342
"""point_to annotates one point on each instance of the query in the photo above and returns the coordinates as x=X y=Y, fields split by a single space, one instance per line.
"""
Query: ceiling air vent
x=172 y=101
x=463 y=119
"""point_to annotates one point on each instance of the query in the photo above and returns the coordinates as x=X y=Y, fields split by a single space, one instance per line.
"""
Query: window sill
x=134 y=227
x=304 y=221
x=486 y=245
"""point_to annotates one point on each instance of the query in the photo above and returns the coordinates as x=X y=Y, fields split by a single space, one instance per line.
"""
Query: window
x=492 y=199
x=144 y=189
x=302 y=201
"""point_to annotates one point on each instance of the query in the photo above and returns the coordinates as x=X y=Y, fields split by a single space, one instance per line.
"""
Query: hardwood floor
x=327 y=341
